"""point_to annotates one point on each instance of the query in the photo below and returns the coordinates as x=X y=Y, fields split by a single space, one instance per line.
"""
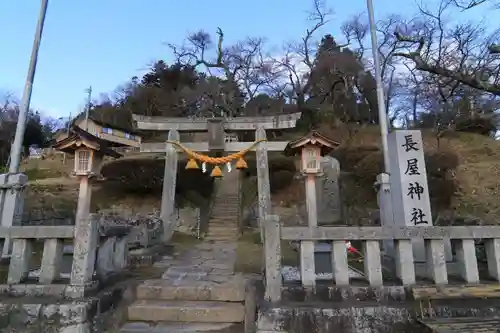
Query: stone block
x=206 y=312
x=51 y=260
x=192 y=291
x=105 y=257
x=19 y=262
x=328 y=192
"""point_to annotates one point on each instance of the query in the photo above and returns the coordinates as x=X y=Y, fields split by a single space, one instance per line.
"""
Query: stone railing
x=97 y=255
x=433 y=238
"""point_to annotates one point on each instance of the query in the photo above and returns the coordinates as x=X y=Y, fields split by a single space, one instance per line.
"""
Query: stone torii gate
x=216 y=128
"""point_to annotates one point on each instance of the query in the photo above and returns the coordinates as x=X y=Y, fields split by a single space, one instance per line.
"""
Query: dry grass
x=250 y=254
x=50 y=167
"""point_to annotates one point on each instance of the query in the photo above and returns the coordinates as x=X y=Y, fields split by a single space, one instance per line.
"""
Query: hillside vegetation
x=463 y=174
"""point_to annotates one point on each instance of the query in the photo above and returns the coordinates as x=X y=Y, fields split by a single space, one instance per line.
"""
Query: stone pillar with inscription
x=328 y=192
x=409 y=187
x=169 y=182
x=263 y=185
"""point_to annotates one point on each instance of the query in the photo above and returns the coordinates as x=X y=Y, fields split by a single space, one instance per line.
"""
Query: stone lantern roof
x=312 y=138
x=80 y=138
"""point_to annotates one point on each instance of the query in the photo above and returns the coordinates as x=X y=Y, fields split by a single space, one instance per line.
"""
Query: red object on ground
x=350 y=248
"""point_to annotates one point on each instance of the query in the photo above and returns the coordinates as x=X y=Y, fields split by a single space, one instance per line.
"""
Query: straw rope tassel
x=191 y=164
x=241 y=164
x=216 y=172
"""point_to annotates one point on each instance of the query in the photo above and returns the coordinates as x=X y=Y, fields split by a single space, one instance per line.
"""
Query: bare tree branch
x=462 y=52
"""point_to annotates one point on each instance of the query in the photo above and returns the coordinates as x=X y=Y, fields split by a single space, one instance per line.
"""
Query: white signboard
x=409 y=187
x=35 y=152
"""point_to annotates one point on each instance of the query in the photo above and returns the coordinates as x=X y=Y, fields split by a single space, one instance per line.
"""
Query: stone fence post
x=84 y=257
x=272 y=254
x=11 y=203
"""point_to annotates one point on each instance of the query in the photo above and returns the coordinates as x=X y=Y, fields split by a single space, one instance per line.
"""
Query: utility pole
x=12 y=202
x=384 y=179
x=17 y=146
x=69 y=125
x=67 y=133
x=382 y=114
x=87 y=108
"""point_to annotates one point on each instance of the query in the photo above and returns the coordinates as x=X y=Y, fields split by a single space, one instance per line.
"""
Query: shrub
x=279 y=163
x=369 y=167
x=276 y=163
x=438 y=164
x=479 y=125
x=145 y=177
x=35 y=173
x=348 y=157
x=280 y=179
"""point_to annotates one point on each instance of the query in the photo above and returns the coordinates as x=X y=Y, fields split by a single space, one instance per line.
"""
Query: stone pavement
x=198 y=292
x=202 y=260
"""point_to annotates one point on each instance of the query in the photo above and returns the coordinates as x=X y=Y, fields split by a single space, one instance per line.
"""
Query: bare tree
x=357 y=31
x=298 y=60
x=468 y=4
x=464 y=52
x=239 y=66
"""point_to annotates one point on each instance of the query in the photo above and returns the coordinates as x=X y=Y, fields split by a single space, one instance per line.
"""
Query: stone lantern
x=89 y=152
x=311 y=148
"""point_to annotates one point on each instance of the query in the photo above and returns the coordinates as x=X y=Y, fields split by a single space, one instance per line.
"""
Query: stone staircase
x=197 y=293
x=223 y=223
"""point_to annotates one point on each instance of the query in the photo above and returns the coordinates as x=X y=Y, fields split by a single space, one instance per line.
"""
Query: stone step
x=225 y=208
x=222 y=237
x=186 y=311
x=166 y=327
x=223 y=227
x=228 y=235
x=216 y=227
x=223 y=222
x=221 y=231
x=224 y=215
x=231 y=291
x=230 y=222
x=463 y=325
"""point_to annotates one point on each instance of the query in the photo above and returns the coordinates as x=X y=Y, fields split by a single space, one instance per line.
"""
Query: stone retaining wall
x=89 y=315
x=360 y=310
